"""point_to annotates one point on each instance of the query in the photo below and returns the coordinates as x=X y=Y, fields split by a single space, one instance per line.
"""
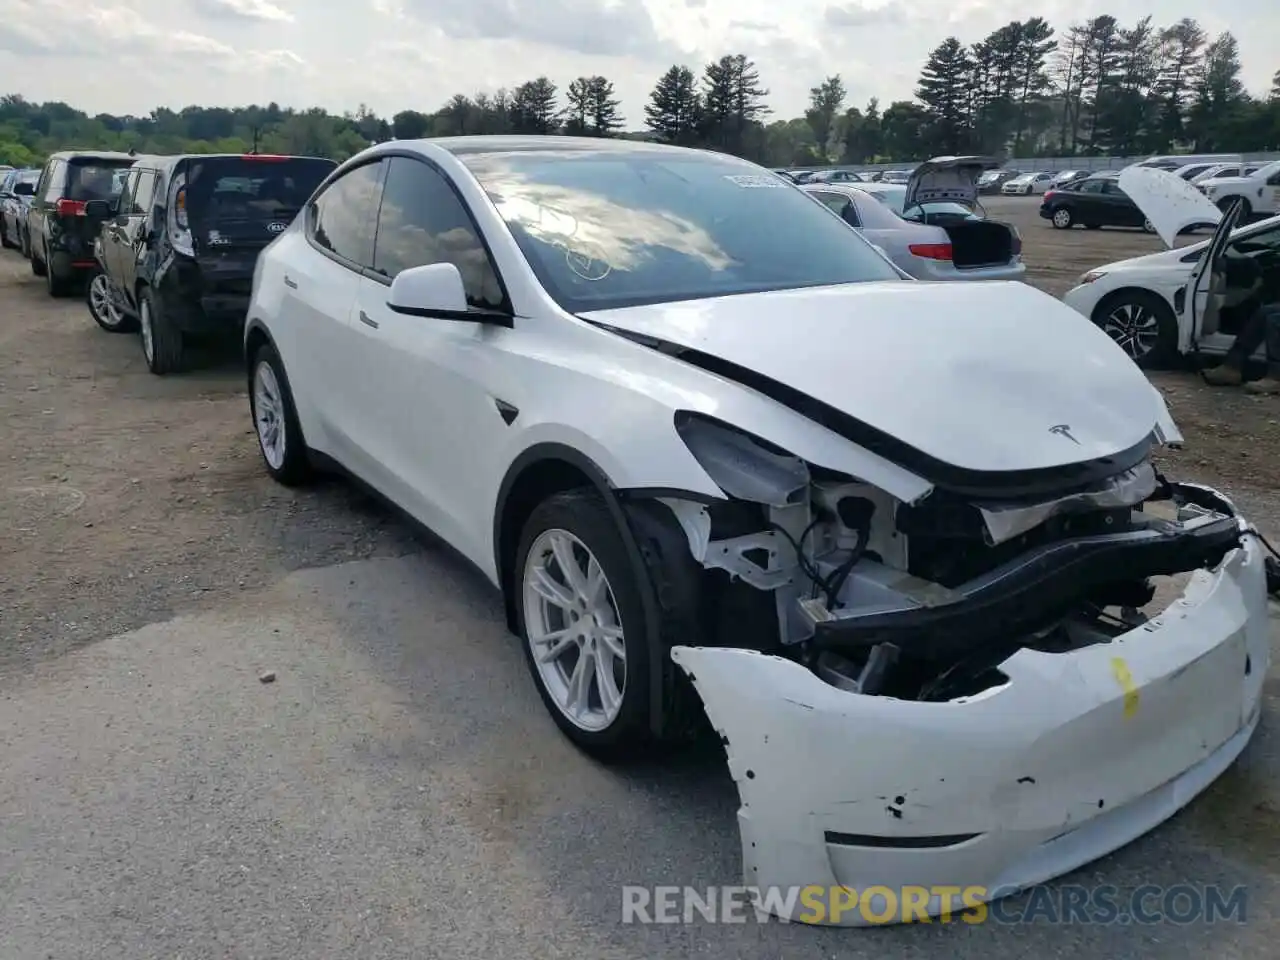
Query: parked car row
x=167 y=244
x=712 y=446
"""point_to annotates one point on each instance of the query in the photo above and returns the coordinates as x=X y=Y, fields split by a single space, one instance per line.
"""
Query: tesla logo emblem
x=277 y=227
x=1064 y=430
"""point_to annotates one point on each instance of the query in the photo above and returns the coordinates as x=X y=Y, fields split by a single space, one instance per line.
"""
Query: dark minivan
x=179 y=245
x=60 y=227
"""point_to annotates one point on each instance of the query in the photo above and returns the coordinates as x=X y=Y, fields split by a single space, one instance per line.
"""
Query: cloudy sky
x=128 y=56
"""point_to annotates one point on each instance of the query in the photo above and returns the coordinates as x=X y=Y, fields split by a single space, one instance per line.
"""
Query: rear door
x=134 y=217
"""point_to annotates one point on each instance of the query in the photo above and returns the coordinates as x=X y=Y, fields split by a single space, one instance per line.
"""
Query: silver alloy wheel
x=104 y=305
x=574 y=631
x=144 y=326
x=268 y=414
x=1062 y=218
x=1148 y=226
x=1134 y=327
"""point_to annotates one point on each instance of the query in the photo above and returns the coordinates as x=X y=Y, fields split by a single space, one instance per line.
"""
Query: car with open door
x=934 y=227
x=61 y=226
x=1145 y=303
x=714 y=453
x=178 y=247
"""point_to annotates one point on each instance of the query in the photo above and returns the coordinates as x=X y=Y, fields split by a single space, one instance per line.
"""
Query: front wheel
x=581 y=614
x=1062 y=219
x=104 y=308
x=275 y=420
x=1142 y=324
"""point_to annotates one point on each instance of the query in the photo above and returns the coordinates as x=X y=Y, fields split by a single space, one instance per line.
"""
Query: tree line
x=1099 y=87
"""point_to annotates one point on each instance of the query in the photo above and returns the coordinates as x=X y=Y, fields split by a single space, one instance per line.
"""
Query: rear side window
x=144 y=192
x=94 y=179
x=342 y=217
x=422 y=221
x=52 y=180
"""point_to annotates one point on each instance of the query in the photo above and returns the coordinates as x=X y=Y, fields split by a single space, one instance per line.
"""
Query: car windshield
x=604 y=229
x=95 y=178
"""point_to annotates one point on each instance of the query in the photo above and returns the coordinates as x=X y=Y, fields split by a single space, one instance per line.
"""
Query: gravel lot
x=127 y=500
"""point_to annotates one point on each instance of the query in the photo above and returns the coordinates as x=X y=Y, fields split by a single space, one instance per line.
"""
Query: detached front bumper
x=1076 y=755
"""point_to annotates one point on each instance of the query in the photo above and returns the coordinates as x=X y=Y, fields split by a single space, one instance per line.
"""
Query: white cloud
x=398 y=54
x=244 y=10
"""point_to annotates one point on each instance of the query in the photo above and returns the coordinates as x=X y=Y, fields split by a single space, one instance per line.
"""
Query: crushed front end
x=988 y=687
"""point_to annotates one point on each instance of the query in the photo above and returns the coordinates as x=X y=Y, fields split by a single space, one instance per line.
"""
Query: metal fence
x=1037 y=164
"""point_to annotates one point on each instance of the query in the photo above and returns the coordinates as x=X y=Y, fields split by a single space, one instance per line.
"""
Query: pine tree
x=674 y=110
x=944 y=91
x=533 y=107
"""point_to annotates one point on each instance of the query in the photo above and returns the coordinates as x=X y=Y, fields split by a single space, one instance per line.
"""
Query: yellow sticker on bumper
x=1120 y=670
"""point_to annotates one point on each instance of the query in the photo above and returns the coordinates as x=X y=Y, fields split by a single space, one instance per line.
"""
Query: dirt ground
x=126 y=498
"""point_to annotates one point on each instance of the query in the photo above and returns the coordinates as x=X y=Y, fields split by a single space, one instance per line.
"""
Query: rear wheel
x=38 y=266
x=1063 y=219
x=4 y=236
x=1148 y=226
x=162 y=342
x=275 y=420
x=1142 y=324
x=57 y=286
x=1246 y=208
x=104 y=308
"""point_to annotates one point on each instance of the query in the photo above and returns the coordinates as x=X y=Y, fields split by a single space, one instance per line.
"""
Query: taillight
x=180 y=209
x=931 y=251
x=1049 y=193
x=69 y=208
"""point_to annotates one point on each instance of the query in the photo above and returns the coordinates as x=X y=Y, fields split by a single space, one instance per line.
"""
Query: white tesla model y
x=711 y=446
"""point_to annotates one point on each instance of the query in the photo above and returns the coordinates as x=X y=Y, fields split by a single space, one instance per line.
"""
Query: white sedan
x=1028 y=184
x=707 y=443
x=1142 y=304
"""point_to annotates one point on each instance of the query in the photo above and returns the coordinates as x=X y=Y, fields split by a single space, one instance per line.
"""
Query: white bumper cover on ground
x=1078 y=754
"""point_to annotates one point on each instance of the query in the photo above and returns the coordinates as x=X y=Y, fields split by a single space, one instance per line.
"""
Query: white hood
x=947 y=178
x=1168 y=201
x=971 y=374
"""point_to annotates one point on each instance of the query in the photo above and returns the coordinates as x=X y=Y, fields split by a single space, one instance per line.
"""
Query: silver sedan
x=934 y=240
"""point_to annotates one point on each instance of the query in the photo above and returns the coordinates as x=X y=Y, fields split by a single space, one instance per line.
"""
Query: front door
x=428 y=416
x=1205 y=288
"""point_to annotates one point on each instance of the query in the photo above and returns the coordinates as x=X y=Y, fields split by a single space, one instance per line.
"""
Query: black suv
x=179 y=245
x=60 y=226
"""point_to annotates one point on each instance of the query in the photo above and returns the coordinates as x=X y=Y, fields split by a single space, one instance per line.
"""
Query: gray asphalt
x=399 y=792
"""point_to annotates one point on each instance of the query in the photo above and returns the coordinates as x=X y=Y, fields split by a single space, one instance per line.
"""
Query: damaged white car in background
x=710 y=444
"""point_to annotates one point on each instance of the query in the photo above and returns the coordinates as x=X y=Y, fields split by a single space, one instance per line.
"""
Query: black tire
x=57 y=286
x=4 y=237
x=295 y=468
x=122 y=323
x=24 y=243
x=38 y=266
x=163 y=345
x=584 y=514
x=1062 y=218
x=1164 y=353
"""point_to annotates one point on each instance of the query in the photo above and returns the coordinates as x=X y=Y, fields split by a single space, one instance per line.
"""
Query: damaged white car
x=713 y=448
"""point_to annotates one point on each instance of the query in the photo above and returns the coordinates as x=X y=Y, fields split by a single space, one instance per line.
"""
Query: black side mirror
x=97 y=208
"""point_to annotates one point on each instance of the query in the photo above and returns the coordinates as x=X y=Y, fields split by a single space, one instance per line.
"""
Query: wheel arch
x=543 y=470
x=256 y=335
x=1109 y=299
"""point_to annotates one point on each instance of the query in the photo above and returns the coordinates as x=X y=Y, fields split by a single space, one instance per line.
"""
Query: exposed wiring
x=812 y=572
x=832 y=585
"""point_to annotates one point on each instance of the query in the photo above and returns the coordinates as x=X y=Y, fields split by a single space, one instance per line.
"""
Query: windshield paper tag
x=753 y=182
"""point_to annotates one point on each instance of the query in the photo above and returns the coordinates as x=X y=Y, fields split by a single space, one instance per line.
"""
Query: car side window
x=125 y=199
x=422 y=221
x=1093 y=186
x=51 y=181
x=835 y=201
x=341 y=219
x=1264 y=242
x=142 y=195
x=1274 y=179
x=1113 y=189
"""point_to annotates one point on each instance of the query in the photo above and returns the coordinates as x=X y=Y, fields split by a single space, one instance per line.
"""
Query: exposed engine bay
x=924 y=601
